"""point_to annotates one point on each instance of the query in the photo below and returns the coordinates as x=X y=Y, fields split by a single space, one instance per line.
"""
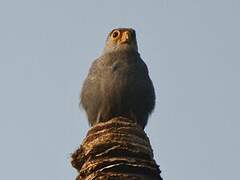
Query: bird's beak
x=125 y=38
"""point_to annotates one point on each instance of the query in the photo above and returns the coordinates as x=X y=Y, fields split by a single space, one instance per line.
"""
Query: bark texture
x=116 y=149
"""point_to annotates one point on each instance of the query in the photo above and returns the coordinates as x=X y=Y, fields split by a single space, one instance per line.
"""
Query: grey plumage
x=118 y=83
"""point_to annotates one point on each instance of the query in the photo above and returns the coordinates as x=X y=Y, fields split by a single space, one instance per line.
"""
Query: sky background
x=192 y=49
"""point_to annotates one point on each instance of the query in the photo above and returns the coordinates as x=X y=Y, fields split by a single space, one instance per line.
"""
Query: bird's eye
x=115 y=34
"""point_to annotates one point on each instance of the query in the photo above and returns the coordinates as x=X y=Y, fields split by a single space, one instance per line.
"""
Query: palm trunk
x=116 y=149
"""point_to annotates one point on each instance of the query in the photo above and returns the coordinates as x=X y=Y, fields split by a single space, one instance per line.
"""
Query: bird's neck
x=118 y=51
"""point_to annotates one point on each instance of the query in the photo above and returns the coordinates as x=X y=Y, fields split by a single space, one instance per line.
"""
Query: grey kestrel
x=118 y=83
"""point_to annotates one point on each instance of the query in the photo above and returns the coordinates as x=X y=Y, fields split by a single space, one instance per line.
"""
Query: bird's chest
x=118 y=78
x=120 y=71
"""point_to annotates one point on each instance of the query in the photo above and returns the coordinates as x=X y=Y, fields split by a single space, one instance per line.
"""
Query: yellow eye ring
x=115 y=34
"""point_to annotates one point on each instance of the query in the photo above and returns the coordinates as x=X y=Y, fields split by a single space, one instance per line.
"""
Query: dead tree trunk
x=116 y=149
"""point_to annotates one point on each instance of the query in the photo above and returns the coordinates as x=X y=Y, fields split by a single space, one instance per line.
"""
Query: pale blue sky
x=192 y=49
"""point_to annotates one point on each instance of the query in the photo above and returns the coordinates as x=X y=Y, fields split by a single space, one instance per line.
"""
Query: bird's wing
x=146 y=87
x=91 y=85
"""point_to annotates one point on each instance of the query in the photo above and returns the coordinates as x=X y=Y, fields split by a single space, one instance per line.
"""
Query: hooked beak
x=125 y=37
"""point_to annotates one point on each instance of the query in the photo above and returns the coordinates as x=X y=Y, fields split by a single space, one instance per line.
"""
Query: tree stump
x=116 y=149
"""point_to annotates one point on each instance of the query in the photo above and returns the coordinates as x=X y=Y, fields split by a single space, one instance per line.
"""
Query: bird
x=118 y=82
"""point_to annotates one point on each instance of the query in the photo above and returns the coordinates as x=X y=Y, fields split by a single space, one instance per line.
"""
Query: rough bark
x=116 y=149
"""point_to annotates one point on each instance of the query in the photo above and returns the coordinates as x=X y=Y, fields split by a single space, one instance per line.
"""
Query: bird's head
x=120 y=39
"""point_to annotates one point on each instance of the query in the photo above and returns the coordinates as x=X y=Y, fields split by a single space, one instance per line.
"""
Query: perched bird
x=118 y=83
